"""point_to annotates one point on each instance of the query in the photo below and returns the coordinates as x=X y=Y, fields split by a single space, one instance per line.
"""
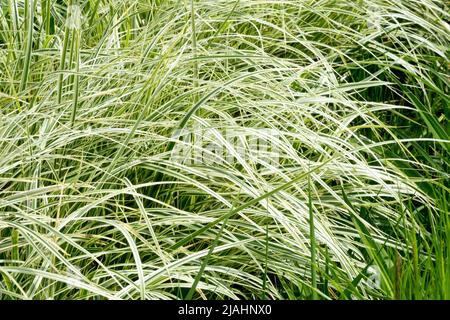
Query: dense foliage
x=355 y=95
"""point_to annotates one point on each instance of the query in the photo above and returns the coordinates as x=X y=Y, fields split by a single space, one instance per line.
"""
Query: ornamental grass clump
x=239 y=149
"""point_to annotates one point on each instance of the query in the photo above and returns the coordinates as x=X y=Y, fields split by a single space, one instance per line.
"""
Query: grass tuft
x=98 y=202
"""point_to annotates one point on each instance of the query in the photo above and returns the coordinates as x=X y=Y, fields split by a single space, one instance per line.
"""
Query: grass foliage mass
x=93 y=205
